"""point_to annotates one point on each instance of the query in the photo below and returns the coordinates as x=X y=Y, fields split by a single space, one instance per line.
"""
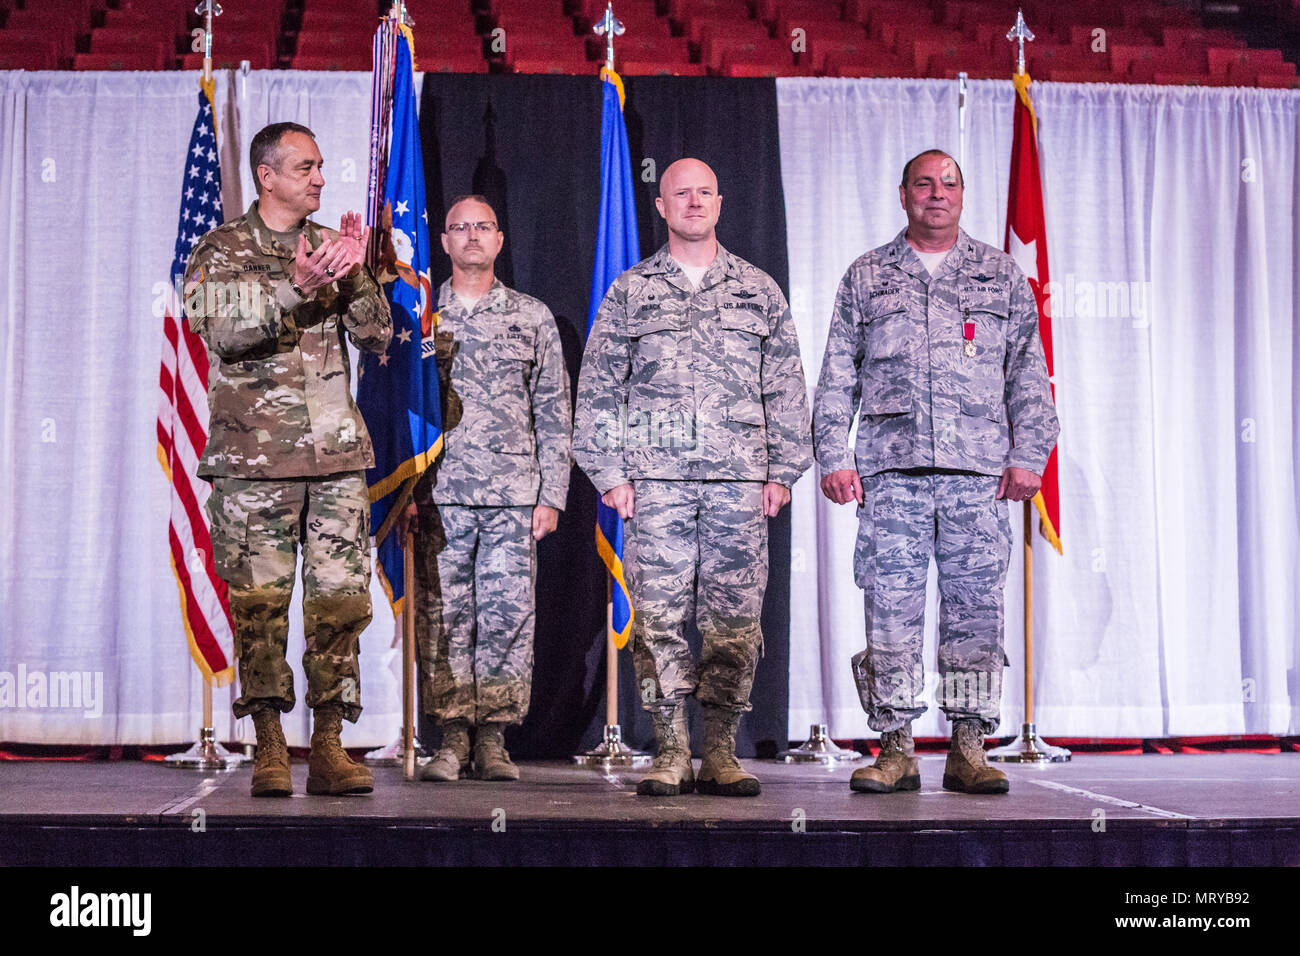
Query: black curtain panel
x=531 y=146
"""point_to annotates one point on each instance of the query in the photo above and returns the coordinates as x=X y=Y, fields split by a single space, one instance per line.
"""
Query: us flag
x=183 y=415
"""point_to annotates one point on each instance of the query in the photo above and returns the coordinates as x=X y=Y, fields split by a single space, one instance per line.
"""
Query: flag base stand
x=1029 y=748
x=392 y=755
x=612 y=752
x=207 y=754
x=818 y=748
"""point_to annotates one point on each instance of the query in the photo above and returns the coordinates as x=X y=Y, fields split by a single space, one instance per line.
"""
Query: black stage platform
x=1099 y=810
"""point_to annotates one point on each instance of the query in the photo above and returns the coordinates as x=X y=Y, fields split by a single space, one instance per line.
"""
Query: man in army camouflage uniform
x=692 y=422
x=273 y=294
x=498 y=489
x=934 y=344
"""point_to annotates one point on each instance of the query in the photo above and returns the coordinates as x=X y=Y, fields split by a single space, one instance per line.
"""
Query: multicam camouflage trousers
x=696 y=548
x=904 y=519
x=476 y=569
x=257 y=526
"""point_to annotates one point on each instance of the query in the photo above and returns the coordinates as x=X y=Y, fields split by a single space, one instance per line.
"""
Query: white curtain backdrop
x=90 y=190
x=1173 y=610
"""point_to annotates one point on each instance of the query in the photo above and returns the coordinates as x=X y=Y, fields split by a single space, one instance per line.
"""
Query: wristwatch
x=297 y=290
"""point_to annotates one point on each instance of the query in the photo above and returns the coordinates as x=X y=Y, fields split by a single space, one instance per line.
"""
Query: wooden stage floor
x=1149 y=810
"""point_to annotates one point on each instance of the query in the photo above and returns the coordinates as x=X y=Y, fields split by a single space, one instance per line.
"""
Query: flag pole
x=611 y=751
x=207 y=753
x=408 y=659
x=1028 y=747
x=395 y=753
x=209 y=10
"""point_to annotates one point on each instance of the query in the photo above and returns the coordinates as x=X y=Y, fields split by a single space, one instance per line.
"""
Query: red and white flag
x=183 y=416
x=1026 y=241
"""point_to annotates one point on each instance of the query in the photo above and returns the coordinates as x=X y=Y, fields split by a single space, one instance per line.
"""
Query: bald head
x=689 y=202
x=689 y=171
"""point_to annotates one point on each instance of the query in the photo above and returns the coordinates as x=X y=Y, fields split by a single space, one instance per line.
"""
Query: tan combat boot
x=721 y=774
x=896 y=766
x=452 y=758
x=330 y=771
x=671 y=774
x=271 y=765
x=491 y=761
x=966 y=770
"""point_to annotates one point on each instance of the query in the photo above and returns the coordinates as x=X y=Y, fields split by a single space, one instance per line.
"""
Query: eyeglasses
x=459 y=227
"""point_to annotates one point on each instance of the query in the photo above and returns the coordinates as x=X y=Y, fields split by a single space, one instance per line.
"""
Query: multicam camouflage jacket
x=278 y=377
x=692 y=383
x=945 y=369
x=507 y=421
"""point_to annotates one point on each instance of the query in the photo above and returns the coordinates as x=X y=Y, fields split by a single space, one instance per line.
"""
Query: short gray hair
x=265 y=149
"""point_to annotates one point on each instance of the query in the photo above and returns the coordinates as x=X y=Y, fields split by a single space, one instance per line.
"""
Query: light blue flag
x=617 y=250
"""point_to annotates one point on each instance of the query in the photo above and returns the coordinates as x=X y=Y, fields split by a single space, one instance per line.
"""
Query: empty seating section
x=1145 y=41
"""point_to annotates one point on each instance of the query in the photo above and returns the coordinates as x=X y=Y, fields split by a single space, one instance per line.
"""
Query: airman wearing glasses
x=498 y=490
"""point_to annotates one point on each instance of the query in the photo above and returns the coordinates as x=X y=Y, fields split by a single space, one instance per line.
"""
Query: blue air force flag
x=397 y=391
x=617 y=250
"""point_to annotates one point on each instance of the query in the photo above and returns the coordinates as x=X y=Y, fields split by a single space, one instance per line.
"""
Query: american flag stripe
x=183 y=417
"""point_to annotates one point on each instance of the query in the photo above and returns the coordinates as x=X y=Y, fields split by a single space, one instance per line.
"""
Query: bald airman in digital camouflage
x=692 y=422
x=497 y=490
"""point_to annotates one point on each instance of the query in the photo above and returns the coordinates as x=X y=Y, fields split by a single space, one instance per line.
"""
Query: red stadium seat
x=769 y=11
x=28 y=56
x=715 y=45
x=1155 y=18
x=333 y=44
x=929 y=55
x=872 y=13
x=1084 y=76
x=339 y=61
x=127 y=39
x=1142 y=63
x=964 y=15
x=229 y=57
x=741 y=66
x=1043 y=59
x=1199 y=36
x=1189 y=79
x=881 y=68
x=1085 y=37
x=1280 y=81
x=544 y=50
x=442 y=62
x=62 y=44
x=696 y=27
x=646 y=49
x=120 y=60
x=850 y=40
x=660 y=68
x=900 y=37
x=679 y=11
x=1232 y=63
x=539 y=64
